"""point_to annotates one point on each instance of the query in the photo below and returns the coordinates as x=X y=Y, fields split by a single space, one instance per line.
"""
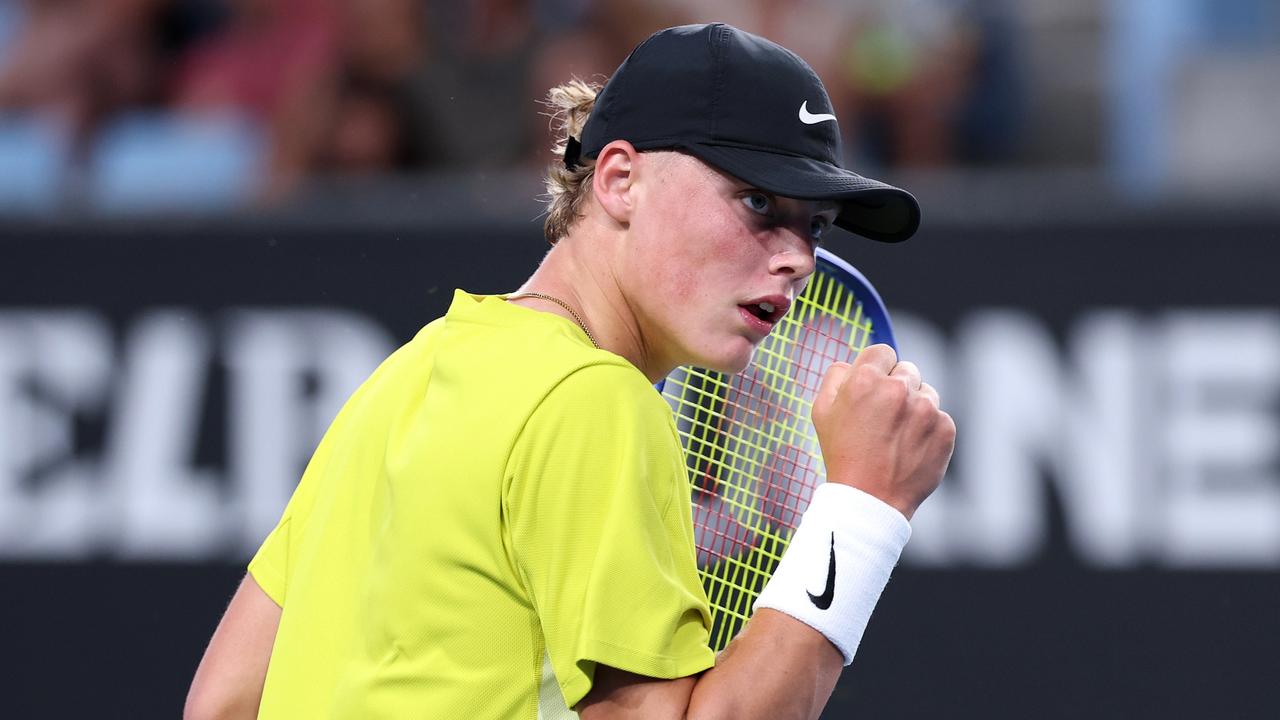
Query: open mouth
x=766 y=311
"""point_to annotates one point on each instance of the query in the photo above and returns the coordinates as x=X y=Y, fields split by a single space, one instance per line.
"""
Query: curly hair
x=570 y=105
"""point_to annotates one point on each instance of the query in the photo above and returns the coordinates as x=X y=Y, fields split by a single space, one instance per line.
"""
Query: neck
x=576 y=271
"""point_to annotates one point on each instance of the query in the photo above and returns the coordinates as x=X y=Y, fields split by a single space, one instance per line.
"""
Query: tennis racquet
x=750 y=445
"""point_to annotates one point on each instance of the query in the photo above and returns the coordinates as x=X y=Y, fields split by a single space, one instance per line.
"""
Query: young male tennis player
x=497 y=524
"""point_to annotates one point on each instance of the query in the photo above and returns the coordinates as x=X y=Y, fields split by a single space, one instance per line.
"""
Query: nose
x=793 y=256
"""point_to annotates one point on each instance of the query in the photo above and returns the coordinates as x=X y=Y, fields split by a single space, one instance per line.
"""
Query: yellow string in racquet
x=750 y=446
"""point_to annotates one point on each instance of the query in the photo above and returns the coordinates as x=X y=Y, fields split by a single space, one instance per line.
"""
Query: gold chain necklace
x=576 y=318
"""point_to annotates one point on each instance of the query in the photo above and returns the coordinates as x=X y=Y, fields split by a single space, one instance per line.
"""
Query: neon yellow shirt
x=499 y=508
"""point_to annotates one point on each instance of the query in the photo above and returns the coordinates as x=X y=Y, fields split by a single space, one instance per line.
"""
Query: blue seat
x=166 y=162
x=34 y=155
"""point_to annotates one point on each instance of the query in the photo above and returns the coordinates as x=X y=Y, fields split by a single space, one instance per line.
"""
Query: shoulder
x=607 y=389
x=603 y=420
x=603 y=413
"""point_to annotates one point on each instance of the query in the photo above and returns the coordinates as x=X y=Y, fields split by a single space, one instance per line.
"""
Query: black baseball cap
x=749 y=107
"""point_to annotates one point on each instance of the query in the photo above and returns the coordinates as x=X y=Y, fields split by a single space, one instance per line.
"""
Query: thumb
x=880 y=356
x=832 y=381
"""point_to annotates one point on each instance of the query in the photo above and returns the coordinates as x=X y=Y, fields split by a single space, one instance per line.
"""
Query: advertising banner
x=1106 y=544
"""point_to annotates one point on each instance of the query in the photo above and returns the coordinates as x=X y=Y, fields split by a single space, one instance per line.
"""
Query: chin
x=731 y=360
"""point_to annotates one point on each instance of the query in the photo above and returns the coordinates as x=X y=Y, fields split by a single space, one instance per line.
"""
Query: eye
x=759 y=203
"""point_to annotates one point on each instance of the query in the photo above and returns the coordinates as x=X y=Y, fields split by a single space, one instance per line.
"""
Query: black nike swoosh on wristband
x=823 y=601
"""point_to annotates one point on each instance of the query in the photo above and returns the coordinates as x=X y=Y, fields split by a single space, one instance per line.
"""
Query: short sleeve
x=270 y=565
x=598 y=517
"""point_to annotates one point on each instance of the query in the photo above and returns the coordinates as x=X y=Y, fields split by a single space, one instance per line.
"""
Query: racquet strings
x=752 y=452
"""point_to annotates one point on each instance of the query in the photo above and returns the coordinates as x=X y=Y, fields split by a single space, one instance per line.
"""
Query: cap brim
x=867 y=207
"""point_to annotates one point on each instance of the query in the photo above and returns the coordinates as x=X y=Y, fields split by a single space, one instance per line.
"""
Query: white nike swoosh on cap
x=809 y=118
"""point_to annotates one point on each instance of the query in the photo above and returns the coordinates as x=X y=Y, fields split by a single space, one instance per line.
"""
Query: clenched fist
x=881 y=429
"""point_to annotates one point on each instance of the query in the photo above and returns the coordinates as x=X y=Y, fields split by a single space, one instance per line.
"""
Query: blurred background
x=217 y=216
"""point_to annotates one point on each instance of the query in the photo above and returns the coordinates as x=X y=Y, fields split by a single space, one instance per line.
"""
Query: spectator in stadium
x=371 y=128
x=78 y=61
x=907 y=69
x=475 y=82
x=275 y=61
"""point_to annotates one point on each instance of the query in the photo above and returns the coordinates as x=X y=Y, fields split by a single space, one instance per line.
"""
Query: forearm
x=777 y=668
x=786 y=661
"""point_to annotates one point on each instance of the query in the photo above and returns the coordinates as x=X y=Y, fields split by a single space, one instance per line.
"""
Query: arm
x=779 y=667
x=228 y=683
x=802 y=671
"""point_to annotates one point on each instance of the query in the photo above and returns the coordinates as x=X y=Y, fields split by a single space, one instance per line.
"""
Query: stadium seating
x=34 y=155
x=158 y=162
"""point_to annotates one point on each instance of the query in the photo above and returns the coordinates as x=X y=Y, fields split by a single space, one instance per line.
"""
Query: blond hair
x=570 y=105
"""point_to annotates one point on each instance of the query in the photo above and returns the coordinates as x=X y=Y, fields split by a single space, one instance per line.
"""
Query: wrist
x=837 y=564
x=904 y=505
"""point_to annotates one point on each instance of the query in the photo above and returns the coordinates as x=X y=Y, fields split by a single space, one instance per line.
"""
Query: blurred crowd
x=242 y=100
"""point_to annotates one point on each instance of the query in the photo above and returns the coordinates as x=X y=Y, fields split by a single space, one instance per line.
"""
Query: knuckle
x=923 y=406
x=896 y=390
x=947 y=426
x=866 y=374
x=906 y=367
x=931 y=393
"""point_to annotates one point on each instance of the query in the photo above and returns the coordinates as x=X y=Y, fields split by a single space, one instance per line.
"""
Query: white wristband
x=837 y=564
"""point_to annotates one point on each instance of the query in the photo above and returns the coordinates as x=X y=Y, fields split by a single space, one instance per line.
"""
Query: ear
x=613 y=180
